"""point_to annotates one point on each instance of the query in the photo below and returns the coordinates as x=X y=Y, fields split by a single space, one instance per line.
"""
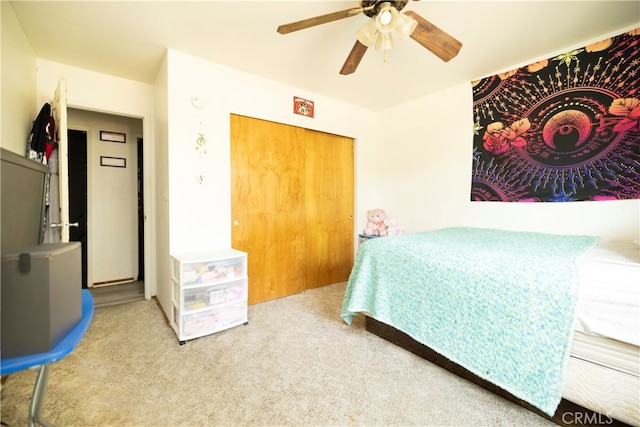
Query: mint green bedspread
x=499 y=303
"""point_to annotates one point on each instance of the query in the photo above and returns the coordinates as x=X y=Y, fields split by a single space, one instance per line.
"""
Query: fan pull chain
x=387 y=40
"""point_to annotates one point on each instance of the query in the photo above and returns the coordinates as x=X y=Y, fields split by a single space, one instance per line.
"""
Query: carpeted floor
x=296 y=364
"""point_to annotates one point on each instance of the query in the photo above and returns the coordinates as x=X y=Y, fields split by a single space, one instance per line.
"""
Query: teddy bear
x=375 y=223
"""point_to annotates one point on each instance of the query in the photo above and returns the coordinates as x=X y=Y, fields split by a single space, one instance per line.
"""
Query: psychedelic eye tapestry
x=562 y=129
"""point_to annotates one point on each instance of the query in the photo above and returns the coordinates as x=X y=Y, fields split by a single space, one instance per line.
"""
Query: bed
x=549 y=321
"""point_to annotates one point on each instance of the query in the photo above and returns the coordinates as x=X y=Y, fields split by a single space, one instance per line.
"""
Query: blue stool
x=44 y=360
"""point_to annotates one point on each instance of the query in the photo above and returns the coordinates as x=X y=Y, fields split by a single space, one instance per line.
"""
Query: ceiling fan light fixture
x=384 y=41
x=387 y=18
x=367 y=33
x=405 y=26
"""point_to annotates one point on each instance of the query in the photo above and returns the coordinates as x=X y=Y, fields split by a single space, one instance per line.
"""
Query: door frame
x=149 y=216
x=89 y=221
x=150 y=285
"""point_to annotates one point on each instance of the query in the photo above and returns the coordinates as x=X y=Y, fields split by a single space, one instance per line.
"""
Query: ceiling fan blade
x=433 y=38
x=322 y=19
x=354 y=58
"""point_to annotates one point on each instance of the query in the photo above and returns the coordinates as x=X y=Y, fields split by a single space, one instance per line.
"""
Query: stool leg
x=37 y=398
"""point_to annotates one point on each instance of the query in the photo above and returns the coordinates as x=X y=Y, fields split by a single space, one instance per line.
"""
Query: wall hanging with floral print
x=563 y=129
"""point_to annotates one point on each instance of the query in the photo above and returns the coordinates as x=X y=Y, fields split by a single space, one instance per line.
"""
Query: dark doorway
x=78 y=193
x=140 y=213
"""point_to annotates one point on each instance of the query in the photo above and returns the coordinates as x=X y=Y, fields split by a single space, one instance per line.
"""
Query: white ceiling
x=128 y=39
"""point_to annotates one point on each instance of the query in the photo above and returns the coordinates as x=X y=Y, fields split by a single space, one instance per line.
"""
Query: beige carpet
x=296 y=364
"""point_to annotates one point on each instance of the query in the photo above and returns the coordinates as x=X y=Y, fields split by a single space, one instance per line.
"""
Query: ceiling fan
x=379 y=30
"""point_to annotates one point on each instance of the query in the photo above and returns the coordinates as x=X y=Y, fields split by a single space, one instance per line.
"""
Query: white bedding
x=608 y=302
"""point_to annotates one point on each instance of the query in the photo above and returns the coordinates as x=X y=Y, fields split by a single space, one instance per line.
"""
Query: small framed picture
x=302 y=106
x=114 y=162
x=113 y=136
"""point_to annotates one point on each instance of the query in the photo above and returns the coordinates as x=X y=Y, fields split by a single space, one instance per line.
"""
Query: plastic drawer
x=193 y=273
x=214 y=320
x=201 y=297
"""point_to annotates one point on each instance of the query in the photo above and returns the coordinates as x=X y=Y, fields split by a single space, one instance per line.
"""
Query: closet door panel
x=329 y=204
x=268 y=205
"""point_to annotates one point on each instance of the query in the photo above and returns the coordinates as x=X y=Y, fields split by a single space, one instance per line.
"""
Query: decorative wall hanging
x=114 y=162
x=302 y=106
x=562 y=129
x=113 y=136
x=201 y=145
x=201 y=151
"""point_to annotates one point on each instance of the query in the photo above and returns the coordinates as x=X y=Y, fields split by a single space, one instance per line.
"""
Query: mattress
x=604 y=375
x=608 y=303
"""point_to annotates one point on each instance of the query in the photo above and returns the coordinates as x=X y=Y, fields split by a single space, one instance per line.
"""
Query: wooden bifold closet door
x=291 y=206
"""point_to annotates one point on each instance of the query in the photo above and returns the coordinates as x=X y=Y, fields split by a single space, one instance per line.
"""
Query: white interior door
x=59 y=106
x=111 y=195
x=114 y=203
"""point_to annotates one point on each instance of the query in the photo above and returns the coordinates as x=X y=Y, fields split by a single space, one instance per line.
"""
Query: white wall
x=200 y=212
x=18 y=106
x=96 y=91
x=161 y=190
x=425 y=180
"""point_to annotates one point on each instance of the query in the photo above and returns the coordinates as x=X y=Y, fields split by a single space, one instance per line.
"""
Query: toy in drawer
x=212 y=296
x=208 y=321
x=211 y=272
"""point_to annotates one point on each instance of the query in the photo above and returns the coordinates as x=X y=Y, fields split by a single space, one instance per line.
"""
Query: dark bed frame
x=569 y=409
